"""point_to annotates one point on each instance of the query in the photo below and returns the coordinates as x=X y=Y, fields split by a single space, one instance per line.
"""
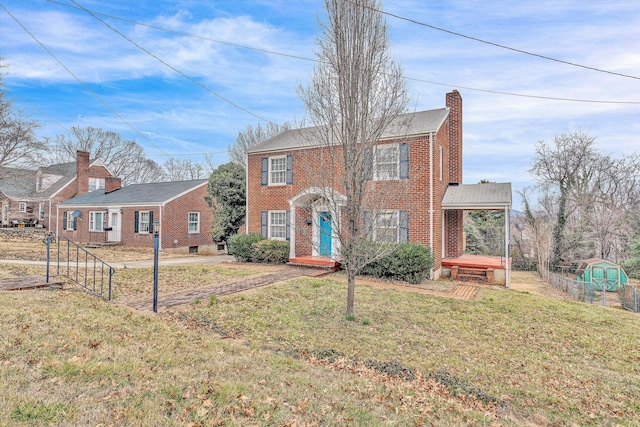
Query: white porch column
x=507 y=235
x=292 y=230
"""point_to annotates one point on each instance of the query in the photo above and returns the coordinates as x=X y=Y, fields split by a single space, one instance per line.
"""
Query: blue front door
x=325 y=234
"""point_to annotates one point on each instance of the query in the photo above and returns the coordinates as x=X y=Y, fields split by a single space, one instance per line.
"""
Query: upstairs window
x=386 y=162
x=96 y=184
x=277 y=170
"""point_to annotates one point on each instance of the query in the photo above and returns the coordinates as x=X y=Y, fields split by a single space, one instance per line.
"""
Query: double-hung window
x=22 y=207
x=386 y=162
x=278 y=225
x=143 y=222
x=41 y=211
x=386 y=227
x=277 y=170
x=97 y=221
x=194 y=222
x=71 y=220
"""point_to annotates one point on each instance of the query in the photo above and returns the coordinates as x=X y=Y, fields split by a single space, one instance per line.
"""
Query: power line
x=81 y=82
x=501 y=46
x=271 y=52
x=173 y=68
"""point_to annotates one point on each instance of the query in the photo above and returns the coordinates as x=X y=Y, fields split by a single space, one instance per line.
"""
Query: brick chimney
x=82 y=172
x=112 y=183
x=454 y=237
x=454 y=102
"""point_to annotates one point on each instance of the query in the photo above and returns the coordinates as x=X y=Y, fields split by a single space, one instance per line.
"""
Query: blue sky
x=181 y=119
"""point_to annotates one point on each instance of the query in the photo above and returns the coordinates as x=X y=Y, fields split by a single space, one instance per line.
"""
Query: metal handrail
x=80 y=266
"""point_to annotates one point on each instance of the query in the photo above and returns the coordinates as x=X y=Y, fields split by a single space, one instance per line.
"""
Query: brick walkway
x=464 y=291
x=185 y=298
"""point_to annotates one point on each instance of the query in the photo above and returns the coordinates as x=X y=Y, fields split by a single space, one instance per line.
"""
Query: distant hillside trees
x=591 y=198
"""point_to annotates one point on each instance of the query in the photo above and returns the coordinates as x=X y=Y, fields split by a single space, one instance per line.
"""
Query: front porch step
x=322 y=263
x=482 y=275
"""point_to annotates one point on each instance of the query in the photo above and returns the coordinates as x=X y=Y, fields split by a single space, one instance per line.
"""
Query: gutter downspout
x=57 y=217
x=431 y=199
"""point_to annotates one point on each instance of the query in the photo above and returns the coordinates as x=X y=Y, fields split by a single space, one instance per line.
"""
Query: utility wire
x=537 y=55
x=271 y=52
x=173 y=68
x=81 y=82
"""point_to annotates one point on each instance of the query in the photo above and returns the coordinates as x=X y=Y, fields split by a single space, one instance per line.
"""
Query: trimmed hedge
x=255 y=248
x=410 y=262
x=241 y=246
x=271 y=251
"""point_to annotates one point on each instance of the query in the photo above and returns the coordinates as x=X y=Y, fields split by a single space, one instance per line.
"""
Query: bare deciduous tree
x=124 y=158
x=595 y=197
x=19 y=144
x=250 y=137
x=183 y=170
x=355 y=95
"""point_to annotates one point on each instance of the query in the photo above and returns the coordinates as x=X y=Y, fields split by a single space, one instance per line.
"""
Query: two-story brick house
x=411 y=167
x=29 y=197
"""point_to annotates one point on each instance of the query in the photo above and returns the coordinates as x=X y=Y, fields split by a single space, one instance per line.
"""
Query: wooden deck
x=28 y=282
x=475 y=261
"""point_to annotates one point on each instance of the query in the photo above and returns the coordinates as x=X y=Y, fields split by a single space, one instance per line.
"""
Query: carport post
x=507 y=233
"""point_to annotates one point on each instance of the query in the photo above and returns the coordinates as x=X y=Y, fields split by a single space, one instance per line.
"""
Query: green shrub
x=241 y=246
x=271 y=251
x=410 y=262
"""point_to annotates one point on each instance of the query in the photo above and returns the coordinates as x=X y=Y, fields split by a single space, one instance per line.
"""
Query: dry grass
x=135 y=285
x=35 y=250
x=508 y=358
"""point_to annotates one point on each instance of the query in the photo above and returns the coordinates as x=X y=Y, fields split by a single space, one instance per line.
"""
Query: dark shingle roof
x=418 y=123
x=137 y=194
x=18 y=183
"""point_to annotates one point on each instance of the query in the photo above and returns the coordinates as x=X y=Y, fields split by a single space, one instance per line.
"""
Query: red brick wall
x=411 y=194
x=69 y=191
x=173 y=218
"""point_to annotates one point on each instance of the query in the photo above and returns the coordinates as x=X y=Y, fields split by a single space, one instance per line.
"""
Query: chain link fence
x=582 y=291
x=629 y=298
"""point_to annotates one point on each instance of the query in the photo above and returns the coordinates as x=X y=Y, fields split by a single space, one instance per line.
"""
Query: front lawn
x=285 y=355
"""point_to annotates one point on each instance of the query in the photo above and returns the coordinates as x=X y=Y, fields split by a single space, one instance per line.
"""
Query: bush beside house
x=410 y=262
